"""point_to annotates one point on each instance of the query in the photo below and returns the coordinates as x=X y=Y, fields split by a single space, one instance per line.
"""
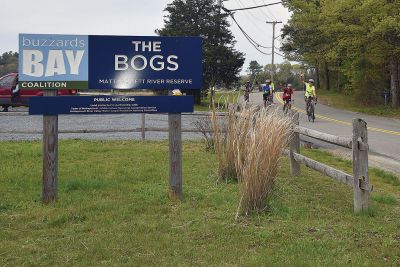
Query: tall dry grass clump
x=226 y=133
x=258 y=157
x=224 y=137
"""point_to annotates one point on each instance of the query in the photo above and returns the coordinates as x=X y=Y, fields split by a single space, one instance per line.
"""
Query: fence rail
x=358 y=143
x=329 y=138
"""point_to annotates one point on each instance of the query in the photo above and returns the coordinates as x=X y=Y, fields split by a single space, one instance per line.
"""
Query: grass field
x=340 y=100
x=221 y=98
x=113 y=210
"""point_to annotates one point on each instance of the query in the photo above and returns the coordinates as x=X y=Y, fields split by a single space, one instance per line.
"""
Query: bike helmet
x=289 y=85
x=311 y=80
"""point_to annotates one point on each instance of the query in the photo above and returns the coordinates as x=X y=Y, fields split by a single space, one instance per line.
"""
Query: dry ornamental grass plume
x=224 y=138
x=248 y=144
x=258 y=158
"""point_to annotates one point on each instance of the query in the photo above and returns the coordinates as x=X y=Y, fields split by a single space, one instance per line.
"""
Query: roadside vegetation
x=113 y=209
x=8 y=63
x=222 y=99
x=349 y=102
x=351 y=46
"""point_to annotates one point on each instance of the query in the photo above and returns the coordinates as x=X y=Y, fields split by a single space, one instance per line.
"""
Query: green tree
x=254 y=69
x=355 y=42
x=8 y=63
x=222 y=63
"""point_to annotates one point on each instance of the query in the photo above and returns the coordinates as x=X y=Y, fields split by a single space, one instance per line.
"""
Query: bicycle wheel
x=309 y=112
x=312 y=115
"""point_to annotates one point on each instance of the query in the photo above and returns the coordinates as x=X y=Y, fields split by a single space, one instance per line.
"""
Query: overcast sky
x=128 y=17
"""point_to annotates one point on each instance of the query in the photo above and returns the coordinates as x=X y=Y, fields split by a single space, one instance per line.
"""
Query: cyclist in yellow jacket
x=310 y=91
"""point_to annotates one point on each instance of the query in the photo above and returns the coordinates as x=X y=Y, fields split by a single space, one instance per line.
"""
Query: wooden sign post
x=50 y=106
x=50 y=154
x=175 y=156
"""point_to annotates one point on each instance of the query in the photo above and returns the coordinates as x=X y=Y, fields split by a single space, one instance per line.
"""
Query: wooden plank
x=295 y=147
x=325 y=169
x=138 y=130
x=361 y=187
x=50 y=155
x=175 y=156
x=143 y=128
x=329 y=138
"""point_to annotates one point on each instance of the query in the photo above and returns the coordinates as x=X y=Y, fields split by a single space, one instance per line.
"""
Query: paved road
x=383 y=133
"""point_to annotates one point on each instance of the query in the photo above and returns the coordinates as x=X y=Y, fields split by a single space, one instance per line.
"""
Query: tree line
x=284 y=73
x=8 y=63
x=353 y=45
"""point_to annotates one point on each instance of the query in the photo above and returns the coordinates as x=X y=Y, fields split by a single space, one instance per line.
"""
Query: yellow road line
x=279 y=97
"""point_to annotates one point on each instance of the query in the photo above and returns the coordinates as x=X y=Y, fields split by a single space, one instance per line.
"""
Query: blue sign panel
x=106 y=104
x=109 y=62
x=140 y=62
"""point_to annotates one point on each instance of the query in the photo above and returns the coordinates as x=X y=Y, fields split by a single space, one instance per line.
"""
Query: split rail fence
x=358 y=143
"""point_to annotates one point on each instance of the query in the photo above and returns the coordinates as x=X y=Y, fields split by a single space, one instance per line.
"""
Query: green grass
x=221 y=98
x=348 y=102
x=113 y=209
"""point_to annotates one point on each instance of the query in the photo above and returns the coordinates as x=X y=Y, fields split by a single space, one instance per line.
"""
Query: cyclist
x=272 y=86
x=267 y=91
x=287 y=96
x=310 y=94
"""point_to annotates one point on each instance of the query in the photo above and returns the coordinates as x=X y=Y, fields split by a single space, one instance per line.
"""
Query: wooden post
x=50 y=154
x=361 y=187
x=175 y=156
x=295 y=147
x=143 y=126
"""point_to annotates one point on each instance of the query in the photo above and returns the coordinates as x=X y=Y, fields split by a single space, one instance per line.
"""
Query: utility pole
x=273 y=47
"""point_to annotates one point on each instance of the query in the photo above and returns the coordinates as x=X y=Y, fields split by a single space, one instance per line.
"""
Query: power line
x=269 y=12
x=261 y=10
x=248 y=37
x=250 y=17
x=254 y=43
x=252 y=7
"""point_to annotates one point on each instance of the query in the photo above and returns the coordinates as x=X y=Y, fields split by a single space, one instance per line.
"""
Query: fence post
x=175 y=155
x=143 y=126
x=295 y=147
x=50 y=154
x=361 y=188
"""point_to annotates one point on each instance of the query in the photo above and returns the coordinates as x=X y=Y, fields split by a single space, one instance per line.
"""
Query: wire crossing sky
x=132 y=17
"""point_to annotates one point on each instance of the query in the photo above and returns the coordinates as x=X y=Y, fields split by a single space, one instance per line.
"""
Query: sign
x=109 y=62
x=53 y=61
x=106 y=104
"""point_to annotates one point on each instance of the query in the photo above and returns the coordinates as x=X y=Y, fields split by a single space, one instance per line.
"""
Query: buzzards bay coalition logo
x=109 y=62
x=53 y=61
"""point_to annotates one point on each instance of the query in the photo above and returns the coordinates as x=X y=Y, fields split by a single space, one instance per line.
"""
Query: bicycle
x=267 y=98
x=310 y=109
x=287 y=105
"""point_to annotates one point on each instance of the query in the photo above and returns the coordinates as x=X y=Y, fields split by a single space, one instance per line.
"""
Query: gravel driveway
x=18 y=120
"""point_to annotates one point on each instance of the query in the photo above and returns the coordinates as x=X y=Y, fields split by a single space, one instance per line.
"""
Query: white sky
x=128 y=17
